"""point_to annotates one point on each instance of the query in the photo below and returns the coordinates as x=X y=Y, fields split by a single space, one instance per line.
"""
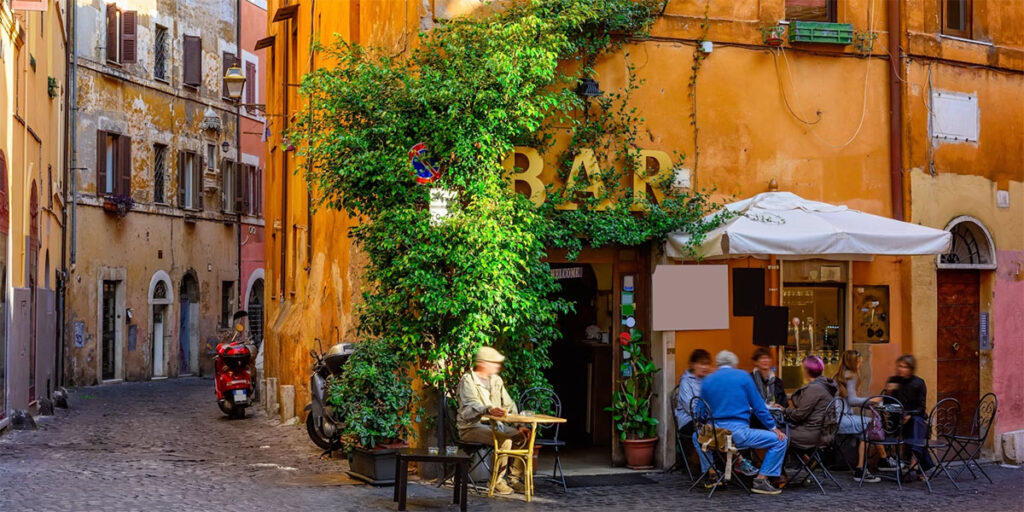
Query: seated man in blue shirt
x=732 y=396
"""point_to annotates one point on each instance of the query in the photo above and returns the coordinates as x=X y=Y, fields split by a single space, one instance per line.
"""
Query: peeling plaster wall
x=128 y=99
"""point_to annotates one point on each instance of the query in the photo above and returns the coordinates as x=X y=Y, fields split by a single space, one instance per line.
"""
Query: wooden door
x=959 y=311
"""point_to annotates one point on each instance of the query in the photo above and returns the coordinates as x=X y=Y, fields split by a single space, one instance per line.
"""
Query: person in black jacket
x=768 y=385
x=912 y=392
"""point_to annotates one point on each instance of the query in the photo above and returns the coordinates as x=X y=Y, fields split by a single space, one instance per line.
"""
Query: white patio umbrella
x=791 y=227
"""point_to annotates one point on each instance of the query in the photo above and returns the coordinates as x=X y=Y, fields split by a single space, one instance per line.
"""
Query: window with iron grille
x=160 y=53
x=159 y=172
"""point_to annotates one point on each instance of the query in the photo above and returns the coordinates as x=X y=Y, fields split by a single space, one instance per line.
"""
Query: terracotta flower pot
x=640 y=452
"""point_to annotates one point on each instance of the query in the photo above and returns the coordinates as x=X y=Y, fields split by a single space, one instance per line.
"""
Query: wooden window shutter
x=229 y=60
x=259 y=192
x=192 y=49
x=223 y=184
x=129 y=36
x=197 y=183
x=101 y=163
x=239 y=180
x=112 y=43
x=250 y=83
x=123 y=183
x=181 y=179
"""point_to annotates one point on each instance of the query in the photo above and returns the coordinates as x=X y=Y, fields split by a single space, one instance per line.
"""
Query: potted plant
x=772 y=34
x=373 y=396
x=631 y=404
x=118 y=204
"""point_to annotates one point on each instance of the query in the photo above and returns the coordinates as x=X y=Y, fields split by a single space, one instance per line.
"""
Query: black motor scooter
x=321 y=425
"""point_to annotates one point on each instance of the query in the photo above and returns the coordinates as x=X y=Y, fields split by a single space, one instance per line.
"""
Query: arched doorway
x=161 y=296
x=4 y=228
x=959 y=311
x=33 y=283
x=188 y=325
x=254 y=306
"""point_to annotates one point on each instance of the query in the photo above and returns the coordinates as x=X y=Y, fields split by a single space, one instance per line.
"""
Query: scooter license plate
x=240 y=396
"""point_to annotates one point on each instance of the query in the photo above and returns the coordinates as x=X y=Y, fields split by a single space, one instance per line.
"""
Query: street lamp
x=235 y=81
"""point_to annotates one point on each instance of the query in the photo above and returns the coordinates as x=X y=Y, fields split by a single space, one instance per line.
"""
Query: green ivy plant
x=472 y=89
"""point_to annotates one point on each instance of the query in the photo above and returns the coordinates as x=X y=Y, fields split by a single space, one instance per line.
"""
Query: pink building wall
x=1008 y=342
x=253 y=124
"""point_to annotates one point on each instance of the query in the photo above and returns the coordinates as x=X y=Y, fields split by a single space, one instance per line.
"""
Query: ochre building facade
x=860 y=124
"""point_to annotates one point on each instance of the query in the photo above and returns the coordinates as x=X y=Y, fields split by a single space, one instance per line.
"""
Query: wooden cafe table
x=524 y=454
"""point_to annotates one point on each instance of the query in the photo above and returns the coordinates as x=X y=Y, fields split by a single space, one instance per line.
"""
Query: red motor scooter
x=231 y=372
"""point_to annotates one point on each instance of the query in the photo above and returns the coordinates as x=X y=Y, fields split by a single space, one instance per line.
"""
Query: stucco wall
x=142 y=238
x=936 y=201
x=32 y=143
x=128 y=99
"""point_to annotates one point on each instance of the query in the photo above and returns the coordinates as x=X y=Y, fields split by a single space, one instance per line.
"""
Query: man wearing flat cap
x=481 y=391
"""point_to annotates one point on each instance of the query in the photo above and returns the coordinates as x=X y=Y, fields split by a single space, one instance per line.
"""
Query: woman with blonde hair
x=852 y=424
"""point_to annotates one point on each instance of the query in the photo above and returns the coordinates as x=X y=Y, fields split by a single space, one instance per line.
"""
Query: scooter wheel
x=238 y=413
x=315 y=435
x=225 y=408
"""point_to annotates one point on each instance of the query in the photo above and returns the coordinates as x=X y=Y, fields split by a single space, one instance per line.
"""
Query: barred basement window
x=159 y=172
x=160 y=54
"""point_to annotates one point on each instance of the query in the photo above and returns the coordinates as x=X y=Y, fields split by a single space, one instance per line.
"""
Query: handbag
x=874 y=430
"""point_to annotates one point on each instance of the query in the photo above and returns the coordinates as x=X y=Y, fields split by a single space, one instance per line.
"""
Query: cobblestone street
x=163 y=445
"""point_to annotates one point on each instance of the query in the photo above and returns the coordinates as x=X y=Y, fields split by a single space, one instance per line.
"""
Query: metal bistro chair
x=681 y=453
x=545 y=401
x=966 y=448
x=889 y=414
x=838 y=445
x=714 y=451
x=479 y=453
x=809 y=458
x=942 y=421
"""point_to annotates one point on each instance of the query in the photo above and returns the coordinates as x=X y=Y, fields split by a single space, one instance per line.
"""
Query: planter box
x=375 y=467
x=820 y=32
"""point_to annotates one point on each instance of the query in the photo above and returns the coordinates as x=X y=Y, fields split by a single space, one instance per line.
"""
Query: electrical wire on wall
x=796 y=96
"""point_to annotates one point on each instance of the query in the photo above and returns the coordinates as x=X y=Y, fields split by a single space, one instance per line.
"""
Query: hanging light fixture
x=588 y=88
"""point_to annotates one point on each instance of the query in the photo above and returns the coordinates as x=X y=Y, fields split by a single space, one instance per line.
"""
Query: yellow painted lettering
x=588 y=162
x=530 y=176
x=641 y=177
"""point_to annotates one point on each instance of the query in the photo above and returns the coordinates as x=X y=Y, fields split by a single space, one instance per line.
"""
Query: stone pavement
x=164 y=446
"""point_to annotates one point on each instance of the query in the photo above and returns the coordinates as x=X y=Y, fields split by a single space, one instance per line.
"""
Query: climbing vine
x=472 y=90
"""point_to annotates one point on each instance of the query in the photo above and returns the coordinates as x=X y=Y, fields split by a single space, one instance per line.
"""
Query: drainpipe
x=894 y=15
x=238 y=152
x=71 y=109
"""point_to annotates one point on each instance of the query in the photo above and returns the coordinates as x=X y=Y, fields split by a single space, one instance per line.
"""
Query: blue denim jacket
x=689 y=387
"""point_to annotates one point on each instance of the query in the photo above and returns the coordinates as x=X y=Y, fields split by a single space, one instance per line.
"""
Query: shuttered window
x=228 y=60
x=250 y=85
x=113 y=43
x=129 y=36
x=113 y=164
x=227 y=186
x=192 y=61
x=190 y=180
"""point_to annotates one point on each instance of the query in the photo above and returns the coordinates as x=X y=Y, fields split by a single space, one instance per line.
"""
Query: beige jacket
x=476 y=398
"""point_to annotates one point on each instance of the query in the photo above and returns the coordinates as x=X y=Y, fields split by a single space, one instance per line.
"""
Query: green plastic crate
x=820 y=32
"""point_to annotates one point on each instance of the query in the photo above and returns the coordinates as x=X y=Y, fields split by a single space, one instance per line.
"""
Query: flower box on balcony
x=820 y=32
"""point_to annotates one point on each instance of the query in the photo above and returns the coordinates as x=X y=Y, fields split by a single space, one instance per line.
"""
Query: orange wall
x=320 y=287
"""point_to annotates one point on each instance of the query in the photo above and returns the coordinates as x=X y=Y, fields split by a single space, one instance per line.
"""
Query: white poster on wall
x=690 y=297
